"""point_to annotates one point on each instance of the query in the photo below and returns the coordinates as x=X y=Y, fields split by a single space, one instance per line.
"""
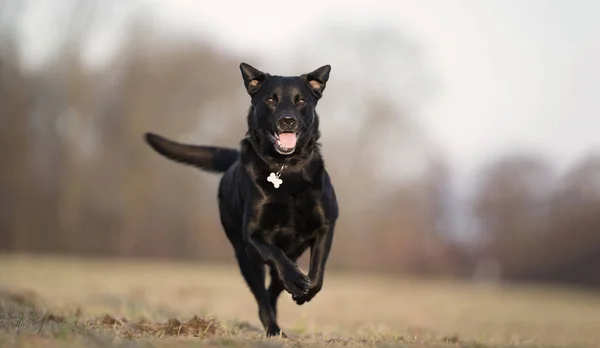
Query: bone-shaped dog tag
x=275 y=180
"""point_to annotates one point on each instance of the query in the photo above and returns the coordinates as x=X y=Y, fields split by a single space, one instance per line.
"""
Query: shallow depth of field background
x=462 y=137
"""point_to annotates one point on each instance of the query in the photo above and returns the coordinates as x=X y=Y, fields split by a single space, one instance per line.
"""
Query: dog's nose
x=287 y=123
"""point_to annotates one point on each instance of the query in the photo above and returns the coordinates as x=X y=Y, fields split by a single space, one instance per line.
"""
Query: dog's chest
x=292 y=220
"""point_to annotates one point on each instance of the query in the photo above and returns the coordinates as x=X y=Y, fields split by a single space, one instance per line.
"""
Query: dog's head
x=282 y=120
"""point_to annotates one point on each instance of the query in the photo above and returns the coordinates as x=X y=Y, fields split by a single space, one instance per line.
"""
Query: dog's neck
x=306 y=162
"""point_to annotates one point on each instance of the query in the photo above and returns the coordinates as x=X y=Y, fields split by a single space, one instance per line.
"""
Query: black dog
x=275 y=198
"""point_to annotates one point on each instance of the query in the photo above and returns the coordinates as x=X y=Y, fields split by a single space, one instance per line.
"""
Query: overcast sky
x=511 y=74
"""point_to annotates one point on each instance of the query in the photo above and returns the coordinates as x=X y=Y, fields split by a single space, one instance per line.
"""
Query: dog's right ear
x=253 y=78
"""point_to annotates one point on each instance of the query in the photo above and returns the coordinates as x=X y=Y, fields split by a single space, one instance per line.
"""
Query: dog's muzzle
x=286 y=136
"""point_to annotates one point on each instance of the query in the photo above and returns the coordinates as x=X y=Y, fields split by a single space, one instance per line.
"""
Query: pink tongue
x=287 y=140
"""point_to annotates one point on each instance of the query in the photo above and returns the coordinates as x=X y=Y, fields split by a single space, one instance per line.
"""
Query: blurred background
x=462 y=137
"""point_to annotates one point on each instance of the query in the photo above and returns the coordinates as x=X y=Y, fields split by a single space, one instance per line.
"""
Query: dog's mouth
x=285 y=142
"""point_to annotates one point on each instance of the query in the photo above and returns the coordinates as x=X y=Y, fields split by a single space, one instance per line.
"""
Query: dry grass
x=52 y=302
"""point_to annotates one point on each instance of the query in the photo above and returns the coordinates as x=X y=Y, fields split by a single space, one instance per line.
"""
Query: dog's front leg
x=294 y=281
x=319 y=252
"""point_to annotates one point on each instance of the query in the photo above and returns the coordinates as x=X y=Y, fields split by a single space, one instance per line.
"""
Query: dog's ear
x=317 y=80
x=253 y=78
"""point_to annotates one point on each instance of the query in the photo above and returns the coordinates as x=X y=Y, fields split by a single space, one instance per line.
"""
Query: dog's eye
x=301 y=102
x=270 y=101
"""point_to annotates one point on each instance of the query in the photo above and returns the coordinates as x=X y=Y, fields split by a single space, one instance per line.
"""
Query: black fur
x=267 y=225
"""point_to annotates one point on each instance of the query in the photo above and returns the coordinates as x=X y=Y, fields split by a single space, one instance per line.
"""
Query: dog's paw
x=295 y=282
x=275 y=331
x=312 y=291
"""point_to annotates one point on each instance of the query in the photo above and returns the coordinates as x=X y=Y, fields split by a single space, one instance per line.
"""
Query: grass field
x=59 y=302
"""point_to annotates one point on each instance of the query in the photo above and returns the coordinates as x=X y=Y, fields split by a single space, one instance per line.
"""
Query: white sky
x=512 y=73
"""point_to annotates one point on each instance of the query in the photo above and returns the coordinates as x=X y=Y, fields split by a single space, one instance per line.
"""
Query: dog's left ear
x=253 y=78
x=317 y=80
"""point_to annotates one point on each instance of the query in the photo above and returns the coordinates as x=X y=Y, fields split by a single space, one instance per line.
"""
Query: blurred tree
x=376 y=152
x=165 y=87
x=85 y=173
x=512 y=208
x=14 y=151
x=571 y=252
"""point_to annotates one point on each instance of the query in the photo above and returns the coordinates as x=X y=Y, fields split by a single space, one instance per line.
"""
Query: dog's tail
x=209 y=158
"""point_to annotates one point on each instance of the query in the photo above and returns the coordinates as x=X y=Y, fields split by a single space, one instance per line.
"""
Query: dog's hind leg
x=254 y=274
x=275 y=289
x=252 y=271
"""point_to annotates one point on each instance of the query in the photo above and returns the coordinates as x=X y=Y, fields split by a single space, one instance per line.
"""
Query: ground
x=60 y=302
